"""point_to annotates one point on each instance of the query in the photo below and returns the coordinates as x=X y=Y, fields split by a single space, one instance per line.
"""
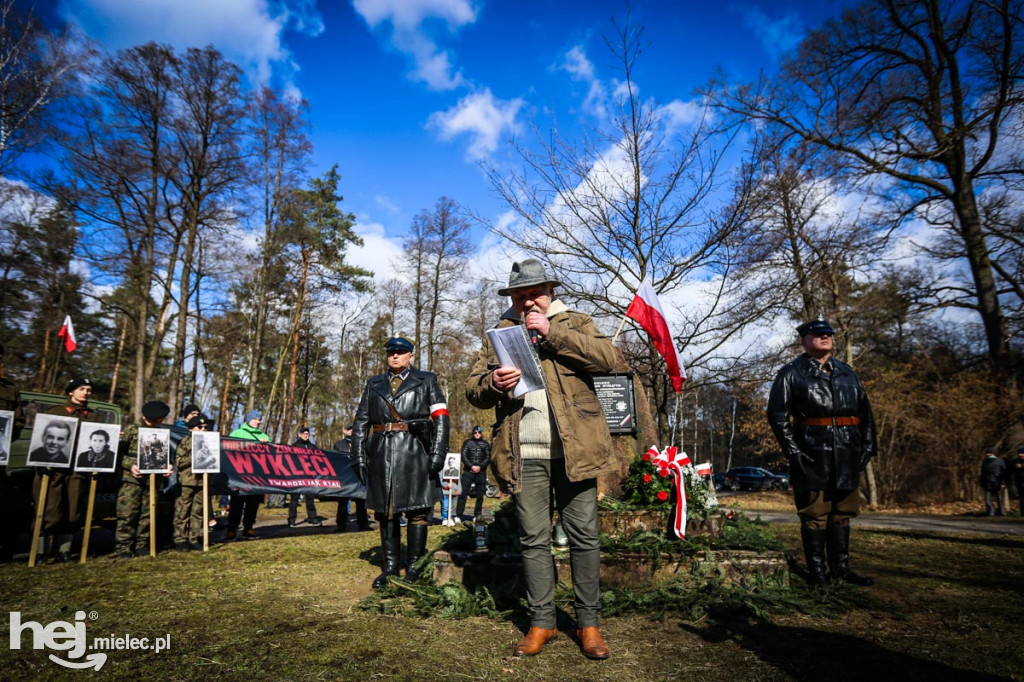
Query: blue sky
x=408 y=96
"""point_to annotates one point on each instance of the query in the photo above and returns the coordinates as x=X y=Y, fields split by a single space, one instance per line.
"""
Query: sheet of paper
x=513 y=348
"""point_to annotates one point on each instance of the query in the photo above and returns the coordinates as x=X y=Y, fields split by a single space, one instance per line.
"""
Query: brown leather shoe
x=592 y=644
x=534 y=641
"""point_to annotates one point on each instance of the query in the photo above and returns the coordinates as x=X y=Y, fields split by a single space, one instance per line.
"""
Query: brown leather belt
x=829 y=421
x=390 y=426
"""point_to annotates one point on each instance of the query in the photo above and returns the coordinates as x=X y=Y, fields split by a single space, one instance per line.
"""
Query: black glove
x=360 y=469
x=435 y=463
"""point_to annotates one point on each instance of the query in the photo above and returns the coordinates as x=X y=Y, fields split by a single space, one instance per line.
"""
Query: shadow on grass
x=1003 y=542
x=814 y=655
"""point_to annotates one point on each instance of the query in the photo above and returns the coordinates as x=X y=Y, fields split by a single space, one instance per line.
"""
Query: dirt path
x=920 y=522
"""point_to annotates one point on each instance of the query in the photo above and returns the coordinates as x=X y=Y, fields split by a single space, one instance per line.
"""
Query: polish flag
x=67 y=332
x=646 y=309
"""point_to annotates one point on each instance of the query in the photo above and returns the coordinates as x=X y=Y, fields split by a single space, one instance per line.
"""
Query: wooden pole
x=40 y=509
x=617 y=331
x=152 y=515
x=206 y=512
x=88 y=518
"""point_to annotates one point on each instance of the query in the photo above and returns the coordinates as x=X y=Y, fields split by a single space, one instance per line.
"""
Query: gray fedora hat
x=528 y=273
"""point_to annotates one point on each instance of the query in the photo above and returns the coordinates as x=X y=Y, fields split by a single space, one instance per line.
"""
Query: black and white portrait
x=52 y=438
x=6 y=429
x=97 y=447
x=205 y=452
x=452 y=464
x=154 y=450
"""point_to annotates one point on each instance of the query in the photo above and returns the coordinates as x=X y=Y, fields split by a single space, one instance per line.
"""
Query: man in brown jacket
x=551 y=444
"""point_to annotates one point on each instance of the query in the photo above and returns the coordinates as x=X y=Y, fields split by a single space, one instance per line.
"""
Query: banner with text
x=253 y=468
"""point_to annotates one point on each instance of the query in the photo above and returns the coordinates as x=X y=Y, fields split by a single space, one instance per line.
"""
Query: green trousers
x=544 y=482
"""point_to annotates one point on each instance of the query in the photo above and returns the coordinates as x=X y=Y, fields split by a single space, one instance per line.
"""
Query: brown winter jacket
x=570 y=354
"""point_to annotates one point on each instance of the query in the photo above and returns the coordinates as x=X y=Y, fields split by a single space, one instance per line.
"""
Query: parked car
x=753 y=478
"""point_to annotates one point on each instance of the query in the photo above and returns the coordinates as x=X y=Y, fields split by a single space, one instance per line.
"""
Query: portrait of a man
x=154 y=450
x=94 y=446
x=451 y=466
x=52 y=438
x=6 y=424
x=205 y=452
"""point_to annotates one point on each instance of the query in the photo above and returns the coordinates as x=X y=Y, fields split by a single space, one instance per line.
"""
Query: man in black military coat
x=821 y=416
x=399 y=441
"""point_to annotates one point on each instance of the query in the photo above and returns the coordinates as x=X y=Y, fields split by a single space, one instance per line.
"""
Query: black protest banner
x=252 y=468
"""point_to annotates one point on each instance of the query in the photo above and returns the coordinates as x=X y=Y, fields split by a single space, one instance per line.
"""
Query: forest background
x=165 y=203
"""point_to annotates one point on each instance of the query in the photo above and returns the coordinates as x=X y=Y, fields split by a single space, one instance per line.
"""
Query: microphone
x=534 y=334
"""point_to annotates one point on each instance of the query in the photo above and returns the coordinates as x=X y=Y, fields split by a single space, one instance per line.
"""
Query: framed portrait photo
x=154 y=450
x=205 y=452
x=6 y=431
x=452 y=466
x=53 y=438
x=97 y=447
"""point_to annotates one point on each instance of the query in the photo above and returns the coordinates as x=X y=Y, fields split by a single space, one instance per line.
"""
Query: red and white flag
x=67 y=332
x=646 y=309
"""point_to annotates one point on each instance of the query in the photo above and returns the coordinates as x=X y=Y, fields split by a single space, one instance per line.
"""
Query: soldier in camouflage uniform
x=133 y=523
x=10 y=399
x=68 y=490
x=188 y=509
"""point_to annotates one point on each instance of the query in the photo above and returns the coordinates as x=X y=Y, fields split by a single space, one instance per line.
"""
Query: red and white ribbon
x=671 y=461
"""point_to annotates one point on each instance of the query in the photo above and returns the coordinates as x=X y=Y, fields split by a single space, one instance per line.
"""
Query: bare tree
x=925 y=94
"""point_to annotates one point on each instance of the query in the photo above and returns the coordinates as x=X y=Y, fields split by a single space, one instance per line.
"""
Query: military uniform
x=10 y=399
x=67 y=492
x=188 y=509
x=133 y=523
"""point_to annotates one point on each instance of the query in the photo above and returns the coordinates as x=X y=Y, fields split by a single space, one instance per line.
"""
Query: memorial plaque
x=615 y=393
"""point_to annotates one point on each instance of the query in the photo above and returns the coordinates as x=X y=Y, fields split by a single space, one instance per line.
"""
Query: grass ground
x=289 y=608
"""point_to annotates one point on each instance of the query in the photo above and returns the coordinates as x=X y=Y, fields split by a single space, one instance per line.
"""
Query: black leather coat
x=821 y=457
x=397 y=462
x=475 y=453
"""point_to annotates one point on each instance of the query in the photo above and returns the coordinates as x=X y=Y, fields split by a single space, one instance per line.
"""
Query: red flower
x=663 y=473
x=647 y=457
x=647 y=478
x=662 y=495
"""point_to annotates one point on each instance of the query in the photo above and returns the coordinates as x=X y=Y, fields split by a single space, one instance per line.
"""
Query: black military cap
x=478 y=429
x=349 y=427
x=76 y=383
x=399 y=343
x=199 y=420
x=815 y=327
x=304 y=429
x=188 y=409
x=155 y=409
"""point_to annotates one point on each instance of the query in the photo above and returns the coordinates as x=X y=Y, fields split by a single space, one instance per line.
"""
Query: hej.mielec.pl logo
x=70 y=637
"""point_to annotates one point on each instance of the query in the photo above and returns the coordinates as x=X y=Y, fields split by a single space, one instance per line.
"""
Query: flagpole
x=621 y=325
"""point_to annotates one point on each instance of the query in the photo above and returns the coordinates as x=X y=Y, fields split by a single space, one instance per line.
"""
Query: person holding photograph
x=131 y=538
x=188 y=508
x=10 y=399
x=67 y=492
x=98 y=455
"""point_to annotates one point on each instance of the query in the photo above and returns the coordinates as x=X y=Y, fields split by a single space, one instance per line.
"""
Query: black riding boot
x=814 y=551
x=838 y=540
x=417 y=541
x=390 y=545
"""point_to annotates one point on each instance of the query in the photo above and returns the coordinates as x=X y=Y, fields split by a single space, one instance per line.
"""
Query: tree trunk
x=117 y=359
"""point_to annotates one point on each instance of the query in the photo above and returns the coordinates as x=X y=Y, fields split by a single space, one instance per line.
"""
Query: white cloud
x=411 y=22
x=481 y=116
x=582 y=69
x=248 y=32
x=777 y=36
x=378 y=251
x=677 y=114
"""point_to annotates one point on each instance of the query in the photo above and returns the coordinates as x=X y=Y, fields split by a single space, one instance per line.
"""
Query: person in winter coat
x=245 y=507
x=399 y=441
x=993 y=480
x=476 y=455
x=302 y=440
x=548 y=446
x=820 y=415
